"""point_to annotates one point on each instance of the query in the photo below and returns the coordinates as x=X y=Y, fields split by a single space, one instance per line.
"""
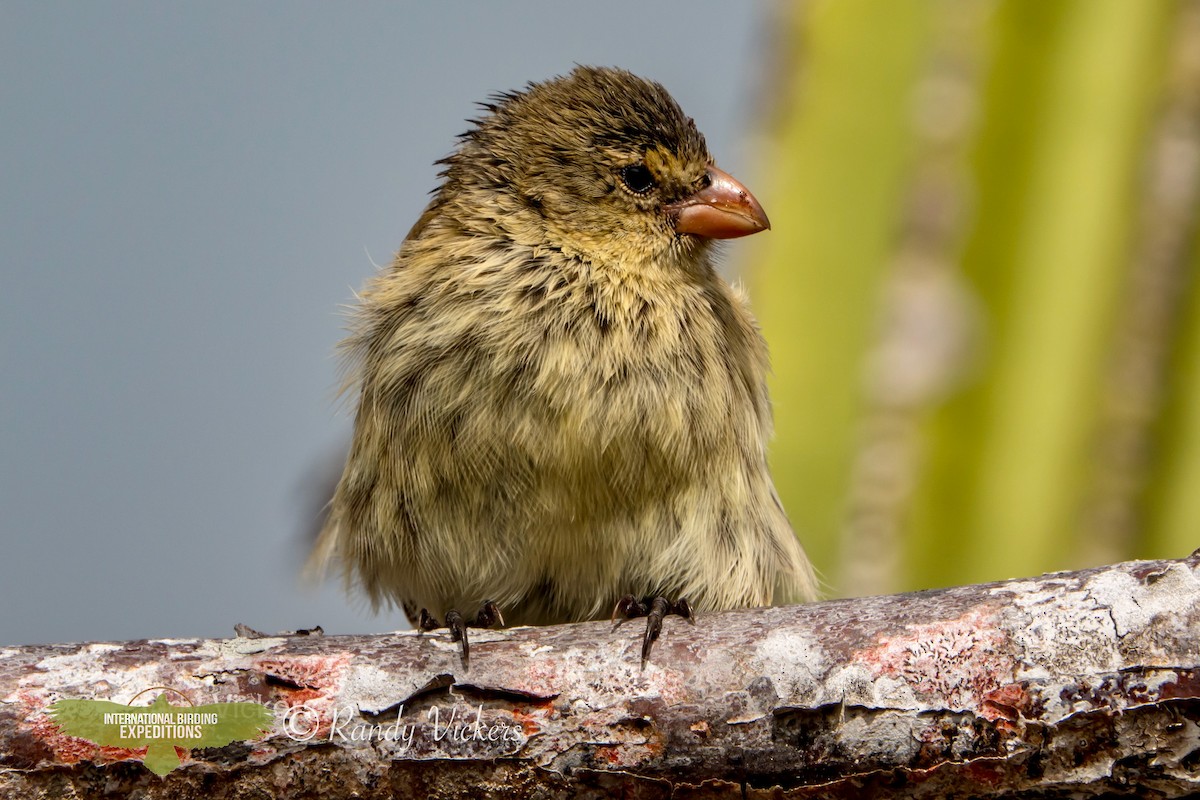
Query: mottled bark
x=1069 y=685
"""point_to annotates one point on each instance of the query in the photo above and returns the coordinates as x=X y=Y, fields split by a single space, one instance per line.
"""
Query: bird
x=561 y=409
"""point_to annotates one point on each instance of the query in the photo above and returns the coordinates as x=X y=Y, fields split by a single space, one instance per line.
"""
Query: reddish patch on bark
x=531 y=723
x=319 y=673
x=72 y=750
x=985 y=774
x=628 y=755
x=310 y=681
x=609 y=754
x=956 y=662
x=1186 y=686
x=1009 y=702
x=298 y=697
x=540 y=678
x=67 y=749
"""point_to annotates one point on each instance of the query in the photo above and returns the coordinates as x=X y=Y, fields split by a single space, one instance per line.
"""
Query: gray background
x=189 y=193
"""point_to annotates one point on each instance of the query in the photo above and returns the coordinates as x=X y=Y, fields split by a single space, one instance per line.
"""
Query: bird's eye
x=637 y=178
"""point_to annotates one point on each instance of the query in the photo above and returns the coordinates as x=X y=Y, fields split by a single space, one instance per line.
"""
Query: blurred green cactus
x=978 y=289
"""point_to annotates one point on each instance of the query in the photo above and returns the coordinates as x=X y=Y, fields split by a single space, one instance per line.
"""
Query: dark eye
x=637 y=178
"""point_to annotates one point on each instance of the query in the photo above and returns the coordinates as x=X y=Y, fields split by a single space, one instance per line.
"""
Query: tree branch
x=1069 y=685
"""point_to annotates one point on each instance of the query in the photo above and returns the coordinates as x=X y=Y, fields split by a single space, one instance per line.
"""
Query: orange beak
x=724 y=209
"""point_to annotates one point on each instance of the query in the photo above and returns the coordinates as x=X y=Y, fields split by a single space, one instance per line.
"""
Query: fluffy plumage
x=560 y=402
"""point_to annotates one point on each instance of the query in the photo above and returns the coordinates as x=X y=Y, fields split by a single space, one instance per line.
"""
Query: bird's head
x=601 y=164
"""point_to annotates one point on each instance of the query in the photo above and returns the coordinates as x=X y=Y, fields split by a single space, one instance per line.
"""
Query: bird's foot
x=654 y=610
x=488 y=616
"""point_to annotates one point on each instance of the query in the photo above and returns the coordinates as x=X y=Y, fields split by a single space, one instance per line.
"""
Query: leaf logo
x=161 y=727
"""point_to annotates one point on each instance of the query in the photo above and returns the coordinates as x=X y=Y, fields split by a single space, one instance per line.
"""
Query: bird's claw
x=629 y=607
x=488 y=616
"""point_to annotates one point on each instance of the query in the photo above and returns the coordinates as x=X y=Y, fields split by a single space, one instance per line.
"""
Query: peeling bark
x=1069 y=685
